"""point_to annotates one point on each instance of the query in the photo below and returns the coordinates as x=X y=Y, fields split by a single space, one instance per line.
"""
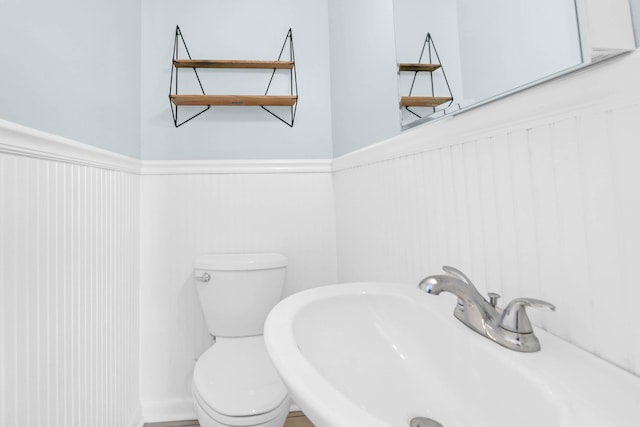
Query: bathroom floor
x=295 y=419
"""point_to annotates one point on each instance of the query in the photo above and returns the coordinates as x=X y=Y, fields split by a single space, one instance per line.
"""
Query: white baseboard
x=168 y=410
x=136 y=419
x=294 y=407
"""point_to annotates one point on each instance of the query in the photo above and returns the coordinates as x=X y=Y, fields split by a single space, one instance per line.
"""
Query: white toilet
x=234 y=381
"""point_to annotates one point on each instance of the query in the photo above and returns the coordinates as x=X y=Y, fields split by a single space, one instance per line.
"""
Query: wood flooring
x=295 y=419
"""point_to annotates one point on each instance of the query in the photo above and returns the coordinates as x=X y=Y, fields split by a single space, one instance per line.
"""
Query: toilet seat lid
x=235 y=377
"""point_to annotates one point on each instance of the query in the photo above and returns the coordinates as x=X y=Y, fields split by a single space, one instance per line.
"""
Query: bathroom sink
x=382 y=354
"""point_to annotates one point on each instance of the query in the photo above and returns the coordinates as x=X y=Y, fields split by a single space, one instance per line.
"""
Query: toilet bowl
x=235 y=384
x=234 y=381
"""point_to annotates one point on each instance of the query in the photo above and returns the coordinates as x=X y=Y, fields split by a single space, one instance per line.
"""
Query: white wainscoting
x=68 y=283
x=97 y=309
x=543 y=205
x=193 y=208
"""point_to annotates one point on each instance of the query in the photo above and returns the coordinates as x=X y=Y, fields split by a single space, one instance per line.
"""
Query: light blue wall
x=364 y=92
x=72 y=68
x=247 y=29
x=98 y=72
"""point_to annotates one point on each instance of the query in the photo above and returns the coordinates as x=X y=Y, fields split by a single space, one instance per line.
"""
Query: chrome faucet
x=510 y=327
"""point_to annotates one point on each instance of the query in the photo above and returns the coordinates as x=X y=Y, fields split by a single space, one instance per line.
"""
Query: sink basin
x=382 y=354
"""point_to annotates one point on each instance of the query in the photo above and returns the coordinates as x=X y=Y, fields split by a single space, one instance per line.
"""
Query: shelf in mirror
x=424 y=101
x=418 y=67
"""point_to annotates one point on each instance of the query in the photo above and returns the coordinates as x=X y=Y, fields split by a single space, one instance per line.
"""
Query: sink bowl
x=382 y=354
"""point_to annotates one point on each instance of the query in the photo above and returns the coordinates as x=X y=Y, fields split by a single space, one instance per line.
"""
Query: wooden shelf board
x=215 y=63
x=234 y=100
x=424 y=101
x=418 y=67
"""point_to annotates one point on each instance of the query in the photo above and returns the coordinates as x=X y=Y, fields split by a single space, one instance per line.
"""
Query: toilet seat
x=236 y=379
x=252 y=420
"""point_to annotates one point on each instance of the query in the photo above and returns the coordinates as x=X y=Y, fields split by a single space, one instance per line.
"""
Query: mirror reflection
x=479 y=51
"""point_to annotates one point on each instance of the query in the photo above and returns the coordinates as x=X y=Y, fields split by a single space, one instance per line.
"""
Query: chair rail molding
x=207 y=167
x=24 y=141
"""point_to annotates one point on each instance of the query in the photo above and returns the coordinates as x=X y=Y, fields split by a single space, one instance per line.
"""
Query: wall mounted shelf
x=231 y=100
x=216 y=63
x=424 y=101
x=207 y=100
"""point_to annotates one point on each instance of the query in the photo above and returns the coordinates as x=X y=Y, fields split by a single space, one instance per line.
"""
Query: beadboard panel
x=69 y=293
x=186 y=215
x=548 y=210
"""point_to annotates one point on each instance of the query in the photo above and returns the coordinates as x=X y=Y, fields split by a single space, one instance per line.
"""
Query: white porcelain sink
x=380 y=354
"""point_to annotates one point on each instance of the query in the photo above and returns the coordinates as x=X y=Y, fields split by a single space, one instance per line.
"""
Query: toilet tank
x=240 y=291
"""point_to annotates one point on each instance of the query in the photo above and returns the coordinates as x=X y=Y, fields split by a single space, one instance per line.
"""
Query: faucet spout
x=438 y=283
x=464 y=290
x=472 y=309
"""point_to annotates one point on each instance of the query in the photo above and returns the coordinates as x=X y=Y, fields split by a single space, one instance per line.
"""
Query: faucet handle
x=493 y=299
x=515 y=318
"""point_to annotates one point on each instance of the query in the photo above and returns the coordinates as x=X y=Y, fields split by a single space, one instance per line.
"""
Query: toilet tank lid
x=234 y=262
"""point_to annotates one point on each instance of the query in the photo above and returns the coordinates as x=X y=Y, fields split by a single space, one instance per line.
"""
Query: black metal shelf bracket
x=287 y=50
x=428 y=43
x=173 y=85
x=293 y=80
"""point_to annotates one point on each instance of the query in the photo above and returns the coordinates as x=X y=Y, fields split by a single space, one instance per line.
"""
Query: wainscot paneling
x=193 y=208
x=526 y=201
x=68 y=283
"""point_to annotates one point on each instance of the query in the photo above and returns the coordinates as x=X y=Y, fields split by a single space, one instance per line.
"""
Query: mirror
x=485 y=50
